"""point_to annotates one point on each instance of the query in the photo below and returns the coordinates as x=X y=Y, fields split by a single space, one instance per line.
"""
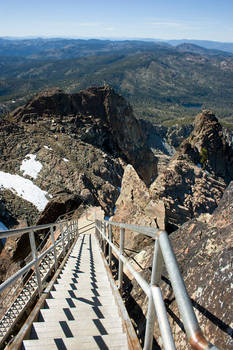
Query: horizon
x=109 y=39
x=132 y=20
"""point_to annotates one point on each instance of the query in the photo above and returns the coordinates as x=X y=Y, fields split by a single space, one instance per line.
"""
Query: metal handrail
x=68 y=233
x=163 y=254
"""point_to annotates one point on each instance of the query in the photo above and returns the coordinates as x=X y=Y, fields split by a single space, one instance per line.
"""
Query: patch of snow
x=49 y=148
x=30 y=166
x=24 y=188
x=3 y=228
x=66 y=160
x=50 y=195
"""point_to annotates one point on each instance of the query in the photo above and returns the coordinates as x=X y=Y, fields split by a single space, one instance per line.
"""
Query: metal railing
x=163 y=255
x=32 y=278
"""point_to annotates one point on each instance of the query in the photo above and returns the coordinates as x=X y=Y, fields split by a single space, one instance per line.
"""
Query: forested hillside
x=162 y=83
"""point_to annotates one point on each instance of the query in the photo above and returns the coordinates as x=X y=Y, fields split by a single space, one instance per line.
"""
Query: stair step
x=80 y=342
x=78 y=313
x=64 y=328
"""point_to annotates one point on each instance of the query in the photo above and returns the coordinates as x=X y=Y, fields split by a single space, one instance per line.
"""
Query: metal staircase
x=35 y=273
x=81 y=307
x=81 y=310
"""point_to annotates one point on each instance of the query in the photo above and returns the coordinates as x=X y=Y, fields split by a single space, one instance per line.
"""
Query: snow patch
x=25 y=189
x=49 y=148
x=3 y=227
x=30 y=166
x=66 y=160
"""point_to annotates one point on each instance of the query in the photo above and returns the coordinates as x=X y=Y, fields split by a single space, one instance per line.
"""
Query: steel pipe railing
x=35 y=257
x=163 y=255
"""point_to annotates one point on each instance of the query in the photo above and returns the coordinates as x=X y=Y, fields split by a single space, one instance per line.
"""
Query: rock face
x=196 y=177
x=184 y=188
x=134 y=206
x=109 y=120
x=186 y=191
x=203 y=248
x=208 y=147
x=82 y=142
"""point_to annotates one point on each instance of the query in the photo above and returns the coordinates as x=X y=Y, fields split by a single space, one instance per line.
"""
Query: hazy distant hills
x=70 y=48
x=212 y=45
x=163 y=83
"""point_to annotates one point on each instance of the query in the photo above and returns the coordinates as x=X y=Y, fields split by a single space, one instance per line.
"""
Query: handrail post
x=68 y=234
x=63 y=242
x=109 y=247
x=35 y=257
x=155 y=280
x=105 y=242
x=54 y=247
x=120 y=268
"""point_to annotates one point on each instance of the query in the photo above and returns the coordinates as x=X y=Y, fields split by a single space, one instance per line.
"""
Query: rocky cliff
x=184 y=188
x=190 y=198
x=203 y=247
x=76 y=146
x=208 y=146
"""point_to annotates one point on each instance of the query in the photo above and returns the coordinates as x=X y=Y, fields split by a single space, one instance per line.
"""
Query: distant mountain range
x=164 y=83
x=37 y=45
x=212 y=45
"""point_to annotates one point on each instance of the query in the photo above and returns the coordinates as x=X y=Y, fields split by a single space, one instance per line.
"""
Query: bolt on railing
x=163 y=254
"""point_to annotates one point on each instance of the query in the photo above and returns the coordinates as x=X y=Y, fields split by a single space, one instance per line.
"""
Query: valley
x=164 y=84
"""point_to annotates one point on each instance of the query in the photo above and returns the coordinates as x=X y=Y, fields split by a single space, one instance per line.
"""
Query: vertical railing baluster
x=63 y=242
x=54 y=247
x=105 y=242
x=109 y=247
x=35 y=257
x=120 y=269
x=68 y=234
x=155 y=280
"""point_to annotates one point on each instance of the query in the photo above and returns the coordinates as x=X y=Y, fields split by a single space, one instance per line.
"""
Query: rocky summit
x=77 y=145
x=208 y=147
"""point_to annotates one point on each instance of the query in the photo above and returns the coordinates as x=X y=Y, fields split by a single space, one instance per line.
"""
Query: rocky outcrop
x=196 y=177
x=135 y=206
x=186 y=191
x=208 y=147
x=110 y=123
x=82 y=142
x=203 y=248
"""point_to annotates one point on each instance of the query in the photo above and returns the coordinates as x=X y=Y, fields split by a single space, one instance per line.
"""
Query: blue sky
x=166 y=19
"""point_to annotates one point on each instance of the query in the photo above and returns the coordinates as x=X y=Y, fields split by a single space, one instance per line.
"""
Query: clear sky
x=163 y=19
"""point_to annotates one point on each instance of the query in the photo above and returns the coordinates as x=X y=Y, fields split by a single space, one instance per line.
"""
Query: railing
x=163 y=254
x=30 y=280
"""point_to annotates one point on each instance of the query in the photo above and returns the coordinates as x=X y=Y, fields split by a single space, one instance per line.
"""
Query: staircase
x=81 y=311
